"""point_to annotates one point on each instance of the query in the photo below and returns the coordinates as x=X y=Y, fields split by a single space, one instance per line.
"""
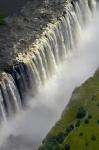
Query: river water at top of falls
x=31 y=126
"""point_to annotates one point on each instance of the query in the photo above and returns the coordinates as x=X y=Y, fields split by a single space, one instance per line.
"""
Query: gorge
x=49 y=62
x=34 y=67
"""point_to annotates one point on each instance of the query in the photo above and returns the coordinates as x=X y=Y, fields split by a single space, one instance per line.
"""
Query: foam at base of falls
x=38 y=65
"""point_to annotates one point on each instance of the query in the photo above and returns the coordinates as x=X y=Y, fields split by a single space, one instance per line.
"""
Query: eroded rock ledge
x=23 y=29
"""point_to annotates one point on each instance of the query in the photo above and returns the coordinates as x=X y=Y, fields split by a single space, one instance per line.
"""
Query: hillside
x=78 y=128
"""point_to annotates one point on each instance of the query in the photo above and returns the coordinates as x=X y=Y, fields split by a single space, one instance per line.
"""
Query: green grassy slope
x=78 y=129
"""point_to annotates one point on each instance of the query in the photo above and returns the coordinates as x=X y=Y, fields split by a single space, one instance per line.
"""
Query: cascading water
x=37 y=65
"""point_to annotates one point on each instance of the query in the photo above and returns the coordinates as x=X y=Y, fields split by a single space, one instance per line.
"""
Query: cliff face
x=78 y=127
x=23 y=28
x=10 y=7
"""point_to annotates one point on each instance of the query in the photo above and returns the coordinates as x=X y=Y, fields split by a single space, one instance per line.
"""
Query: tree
x=89 y=116
x=77 y=124
x=80 y=134
x=97 y=121
x=93 y=138
x=81 y=113
x=86 y=121
x=67 y=147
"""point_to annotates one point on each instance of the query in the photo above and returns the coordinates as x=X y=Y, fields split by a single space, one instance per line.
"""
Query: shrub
x=53 y=141
x=77 y=124
x=48 y=146
x=93 y=98
x=67 y=147
x=70 y=128
x=97 y=105
x=86 y=121
x=81 y=113
x=93 y=138
x=86 y=144
x=89 y=116
x=80 y=134
x=55 y=147
x=97 y=121
x=60 y=138
x=65 y=134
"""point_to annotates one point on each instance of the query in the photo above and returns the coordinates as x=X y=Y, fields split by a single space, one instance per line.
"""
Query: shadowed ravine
x=31 y=126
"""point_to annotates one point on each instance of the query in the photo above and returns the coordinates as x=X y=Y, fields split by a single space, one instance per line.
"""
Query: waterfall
x=36 y=66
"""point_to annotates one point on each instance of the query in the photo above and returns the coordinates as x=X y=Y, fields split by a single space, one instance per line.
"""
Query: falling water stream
x=26 y=130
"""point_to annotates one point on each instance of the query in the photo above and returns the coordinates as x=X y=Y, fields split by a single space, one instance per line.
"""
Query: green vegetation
x=78 y=128
x=2 y=21
x=81 y=113
x=86 y=121
x=81 y=134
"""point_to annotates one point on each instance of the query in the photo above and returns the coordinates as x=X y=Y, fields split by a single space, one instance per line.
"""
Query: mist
x=31 y=126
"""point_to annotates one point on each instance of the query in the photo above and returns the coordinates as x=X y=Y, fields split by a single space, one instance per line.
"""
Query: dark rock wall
x=23 y=28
